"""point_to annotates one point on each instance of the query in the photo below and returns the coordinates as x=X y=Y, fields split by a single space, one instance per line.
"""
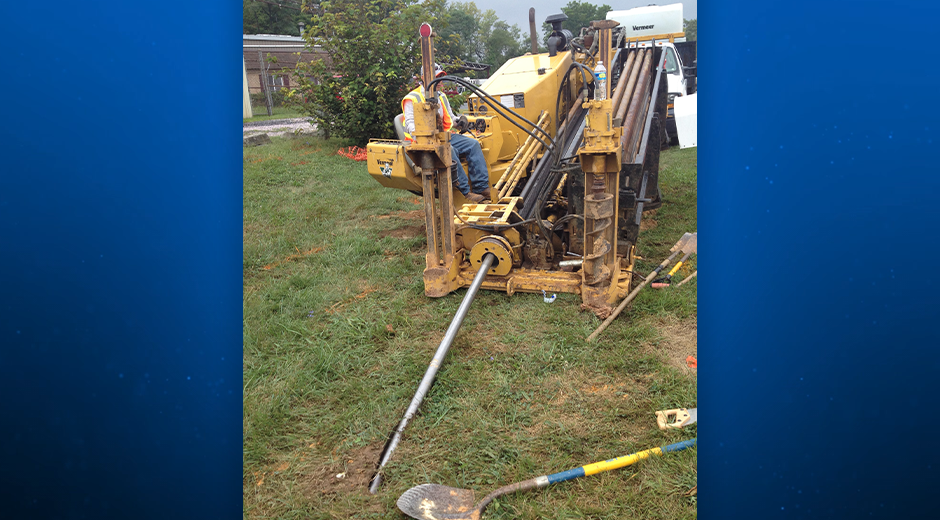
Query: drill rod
x=432 y=369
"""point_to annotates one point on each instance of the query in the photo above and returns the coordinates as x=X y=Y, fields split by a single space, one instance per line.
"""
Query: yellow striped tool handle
x=676 y=268
x=607 y=465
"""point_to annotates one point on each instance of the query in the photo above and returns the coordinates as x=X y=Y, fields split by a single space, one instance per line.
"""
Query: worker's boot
x=474 y=198
x=485 y=193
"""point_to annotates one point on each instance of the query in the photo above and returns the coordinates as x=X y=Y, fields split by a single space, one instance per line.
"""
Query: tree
x=472 y=35
x=373 y=53
x=580 y=14
x=459 y=37
x=689 y=27
x=499 y=41
x=271 y=18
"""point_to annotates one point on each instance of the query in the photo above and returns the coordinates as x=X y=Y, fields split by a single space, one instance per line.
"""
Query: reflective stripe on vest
x=417 y=96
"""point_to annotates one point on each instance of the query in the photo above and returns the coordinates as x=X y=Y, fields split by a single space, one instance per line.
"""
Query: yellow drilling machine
x=573 y=162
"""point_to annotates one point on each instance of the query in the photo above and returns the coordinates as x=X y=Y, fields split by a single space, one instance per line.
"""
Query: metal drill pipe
x=575 y=107
x=628 y=93
x=508 y=174
x=641 y=90
x=621 y=107
x=431 y=373
x=542 y=168
x=643 y=106
x=516 y=169
x=640 y=64
x=520 y=169
x=637 y=134
x=622 y=84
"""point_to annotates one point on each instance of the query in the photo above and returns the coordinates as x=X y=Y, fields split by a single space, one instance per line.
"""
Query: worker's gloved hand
x=461 y=123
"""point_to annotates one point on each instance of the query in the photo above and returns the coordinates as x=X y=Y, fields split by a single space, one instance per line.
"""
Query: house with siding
x=288 y=50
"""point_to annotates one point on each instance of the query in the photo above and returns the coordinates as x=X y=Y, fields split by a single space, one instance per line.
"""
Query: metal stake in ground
x=687 y=278
x=436 y=502
x=431 y=373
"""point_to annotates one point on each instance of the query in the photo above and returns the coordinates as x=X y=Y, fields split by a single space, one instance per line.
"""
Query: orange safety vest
x=417 y=96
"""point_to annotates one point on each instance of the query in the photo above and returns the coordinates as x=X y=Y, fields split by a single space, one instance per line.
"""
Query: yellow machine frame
x=459 y=239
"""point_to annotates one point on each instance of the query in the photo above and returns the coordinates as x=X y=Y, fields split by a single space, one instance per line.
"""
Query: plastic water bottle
x=600 y=82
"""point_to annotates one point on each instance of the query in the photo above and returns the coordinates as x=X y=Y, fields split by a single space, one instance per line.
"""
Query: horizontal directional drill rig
x=573 y=164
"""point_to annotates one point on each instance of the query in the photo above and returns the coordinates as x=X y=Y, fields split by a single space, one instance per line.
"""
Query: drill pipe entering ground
x=431 y=373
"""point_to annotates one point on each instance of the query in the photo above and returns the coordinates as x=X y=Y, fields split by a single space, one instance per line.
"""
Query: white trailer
x=662 y=25
x=651 y=22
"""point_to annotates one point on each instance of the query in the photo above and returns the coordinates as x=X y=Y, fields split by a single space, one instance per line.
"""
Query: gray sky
x=517 y=11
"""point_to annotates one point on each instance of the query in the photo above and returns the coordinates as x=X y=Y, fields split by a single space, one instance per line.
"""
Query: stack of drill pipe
x=637 y=106
x=563 y=128
x=518 y=165
x=624 y=79
x=641 y=63
x=542 y=173
x=522 y=150
x=636 y=132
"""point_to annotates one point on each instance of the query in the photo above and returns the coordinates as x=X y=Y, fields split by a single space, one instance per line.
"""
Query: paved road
x=278 y=127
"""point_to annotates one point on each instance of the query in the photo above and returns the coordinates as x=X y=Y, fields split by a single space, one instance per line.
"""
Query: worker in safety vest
x=460 y=145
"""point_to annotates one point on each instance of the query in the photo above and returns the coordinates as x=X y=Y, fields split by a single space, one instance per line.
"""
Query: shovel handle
x=619 y=462
x=678 y=266
x=590 y=469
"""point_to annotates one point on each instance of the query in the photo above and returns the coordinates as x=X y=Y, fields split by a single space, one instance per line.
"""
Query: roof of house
x=282 y=47
x=273 y=37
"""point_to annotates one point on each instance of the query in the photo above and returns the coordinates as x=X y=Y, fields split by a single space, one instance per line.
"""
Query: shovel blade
x=437 y=502
x=680 y=245
x=691 y=245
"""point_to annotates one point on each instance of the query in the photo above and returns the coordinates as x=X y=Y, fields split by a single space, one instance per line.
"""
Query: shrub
x=373 y=53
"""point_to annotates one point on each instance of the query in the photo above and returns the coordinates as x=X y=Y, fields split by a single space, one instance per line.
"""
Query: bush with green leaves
x=373 y=53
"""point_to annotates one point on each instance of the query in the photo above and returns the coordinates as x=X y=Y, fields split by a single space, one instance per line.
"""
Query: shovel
x=437 y=502
x=664 y=282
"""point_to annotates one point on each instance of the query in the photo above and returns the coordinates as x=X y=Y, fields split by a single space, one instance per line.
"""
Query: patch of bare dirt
x=408 y=231
x=578 y=390
x=583 y=385
x=680 y=340
x=648 y=221
x=417 y=214
x=413 y=231
x=350 y=474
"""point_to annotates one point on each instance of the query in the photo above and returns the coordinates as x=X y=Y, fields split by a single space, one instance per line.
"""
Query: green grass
x=338 y=332
x=260 y=113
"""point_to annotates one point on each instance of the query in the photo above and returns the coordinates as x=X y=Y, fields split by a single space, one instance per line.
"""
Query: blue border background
x=120 y=217
x=817 y=205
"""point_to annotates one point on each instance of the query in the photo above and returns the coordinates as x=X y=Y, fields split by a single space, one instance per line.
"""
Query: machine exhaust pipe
x=431 y=373
x=532 y=34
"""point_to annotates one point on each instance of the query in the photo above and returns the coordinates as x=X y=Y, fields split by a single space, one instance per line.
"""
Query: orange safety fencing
x=353 y=152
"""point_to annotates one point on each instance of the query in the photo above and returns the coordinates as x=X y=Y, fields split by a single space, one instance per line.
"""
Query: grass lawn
x=338 y=333
x=261 y=113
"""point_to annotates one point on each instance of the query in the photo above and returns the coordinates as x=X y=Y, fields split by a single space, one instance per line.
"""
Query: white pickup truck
x=661 y=24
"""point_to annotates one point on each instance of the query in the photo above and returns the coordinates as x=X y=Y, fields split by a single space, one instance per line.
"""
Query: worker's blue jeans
x=470 y=149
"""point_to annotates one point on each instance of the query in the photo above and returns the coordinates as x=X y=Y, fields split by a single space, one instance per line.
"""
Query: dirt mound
x=405 y=232
x=350 y=475
x=409 y=231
